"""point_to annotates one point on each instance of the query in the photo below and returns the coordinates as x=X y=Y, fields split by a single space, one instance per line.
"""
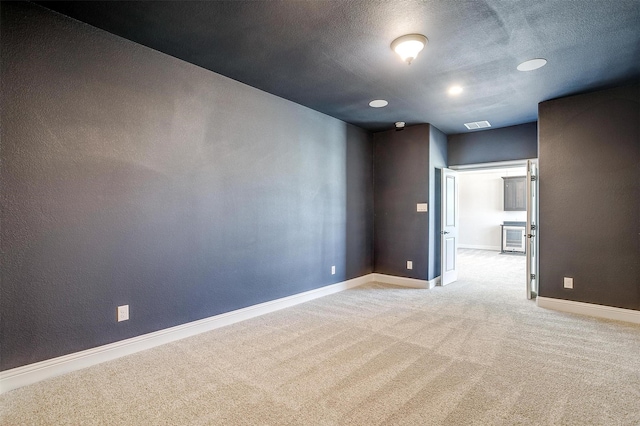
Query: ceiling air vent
x=477 y=125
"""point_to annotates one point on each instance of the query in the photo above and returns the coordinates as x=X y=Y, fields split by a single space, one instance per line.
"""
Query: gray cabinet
x=515 y=193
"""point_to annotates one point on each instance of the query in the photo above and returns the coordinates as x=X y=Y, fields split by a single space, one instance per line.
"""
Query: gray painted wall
x=130 y=177
x=486 y=146
x=590 y=197
x=401 y=180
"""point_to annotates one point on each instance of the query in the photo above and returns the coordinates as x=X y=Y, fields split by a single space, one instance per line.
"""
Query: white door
x=449 y=221
x=531 y=244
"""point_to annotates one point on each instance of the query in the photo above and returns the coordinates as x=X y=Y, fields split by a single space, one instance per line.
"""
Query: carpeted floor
x=475 y=352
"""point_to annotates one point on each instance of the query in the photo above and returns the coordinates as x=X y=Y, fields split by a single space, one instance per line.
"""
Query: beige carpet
x=475 y=352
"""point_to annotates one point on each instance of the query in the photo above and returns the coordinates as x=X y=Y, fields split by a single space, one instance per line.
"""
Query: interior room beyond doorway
x=491 y=223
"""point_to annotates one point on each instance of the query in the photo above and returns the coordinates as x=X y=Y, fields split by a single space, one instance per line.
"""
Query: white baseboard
x=406 y=282
x=479 y=247
x=600 y=311
x=32 y=373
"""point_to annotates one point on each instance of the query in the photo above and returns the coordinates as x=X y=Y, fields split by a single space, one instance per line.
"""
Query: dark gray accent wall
x=438 y=154
x=590 y=197
x=358 y=224
x=401 y=180
x=487 y=146
x=131 y=177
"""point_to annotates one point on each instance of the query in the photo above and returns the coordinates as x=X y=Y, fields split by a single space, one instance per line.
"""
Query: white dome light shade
x=408 y=46
x=378 y=103
x=532 y=64
x=455 y=90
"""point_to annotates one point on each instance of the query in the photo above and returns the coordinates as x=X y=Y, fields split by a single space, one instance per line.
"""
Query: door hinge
x=533 y=277
x=534 y=178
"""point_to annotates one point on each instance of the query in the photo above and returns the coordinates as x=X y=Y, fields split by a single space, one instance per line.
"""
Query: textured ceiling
x=334 y=56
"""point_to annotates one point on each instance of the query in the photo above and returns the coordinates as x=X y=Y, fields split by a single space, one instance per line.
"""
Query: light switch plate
x=422 y=207
x=409 y=264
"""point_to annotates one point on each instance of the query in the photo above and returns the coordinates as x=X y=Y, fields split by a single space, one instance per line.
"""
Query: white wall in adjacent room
x=482 y=207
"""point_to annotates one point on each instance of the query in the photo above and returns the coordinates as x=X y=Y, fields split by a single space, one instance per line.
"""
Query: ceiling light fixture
x=455 y=90
x=532 y=64
x=378 y=103
x=408 y=46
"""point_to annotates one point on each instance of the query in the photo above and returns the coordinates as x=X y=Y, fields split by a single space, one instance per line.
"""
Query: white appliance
x=513 y=238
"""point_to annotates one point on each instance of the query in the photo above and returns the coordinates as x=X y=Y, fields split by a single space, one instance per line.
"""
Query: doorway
x=496 y=220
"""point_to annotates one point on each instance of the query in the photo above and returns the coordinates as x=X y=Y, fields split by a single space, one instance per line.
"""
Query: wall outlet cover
x=568 y=282
x=123 y=313
x=333 y=270
x=409 y=264
x=422 y=207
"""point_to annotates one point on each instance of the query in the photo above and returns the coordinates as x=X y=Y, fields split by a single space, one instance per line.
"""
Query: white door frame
x=531 y=242
x=449 y=221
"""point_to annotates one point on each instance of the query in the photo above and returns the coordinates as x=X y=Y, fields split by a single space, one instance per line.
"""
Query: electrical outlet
x=568 y=282
x=422 y=207
x=123 y=313
x=333 y=270
x=409 y=264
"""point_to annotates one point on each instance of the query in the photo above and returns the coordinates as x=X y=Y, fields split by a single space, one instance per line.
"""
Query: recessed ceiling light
x=378 y=103
x=532 y=64
x=477 y=125
x=455 y=90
